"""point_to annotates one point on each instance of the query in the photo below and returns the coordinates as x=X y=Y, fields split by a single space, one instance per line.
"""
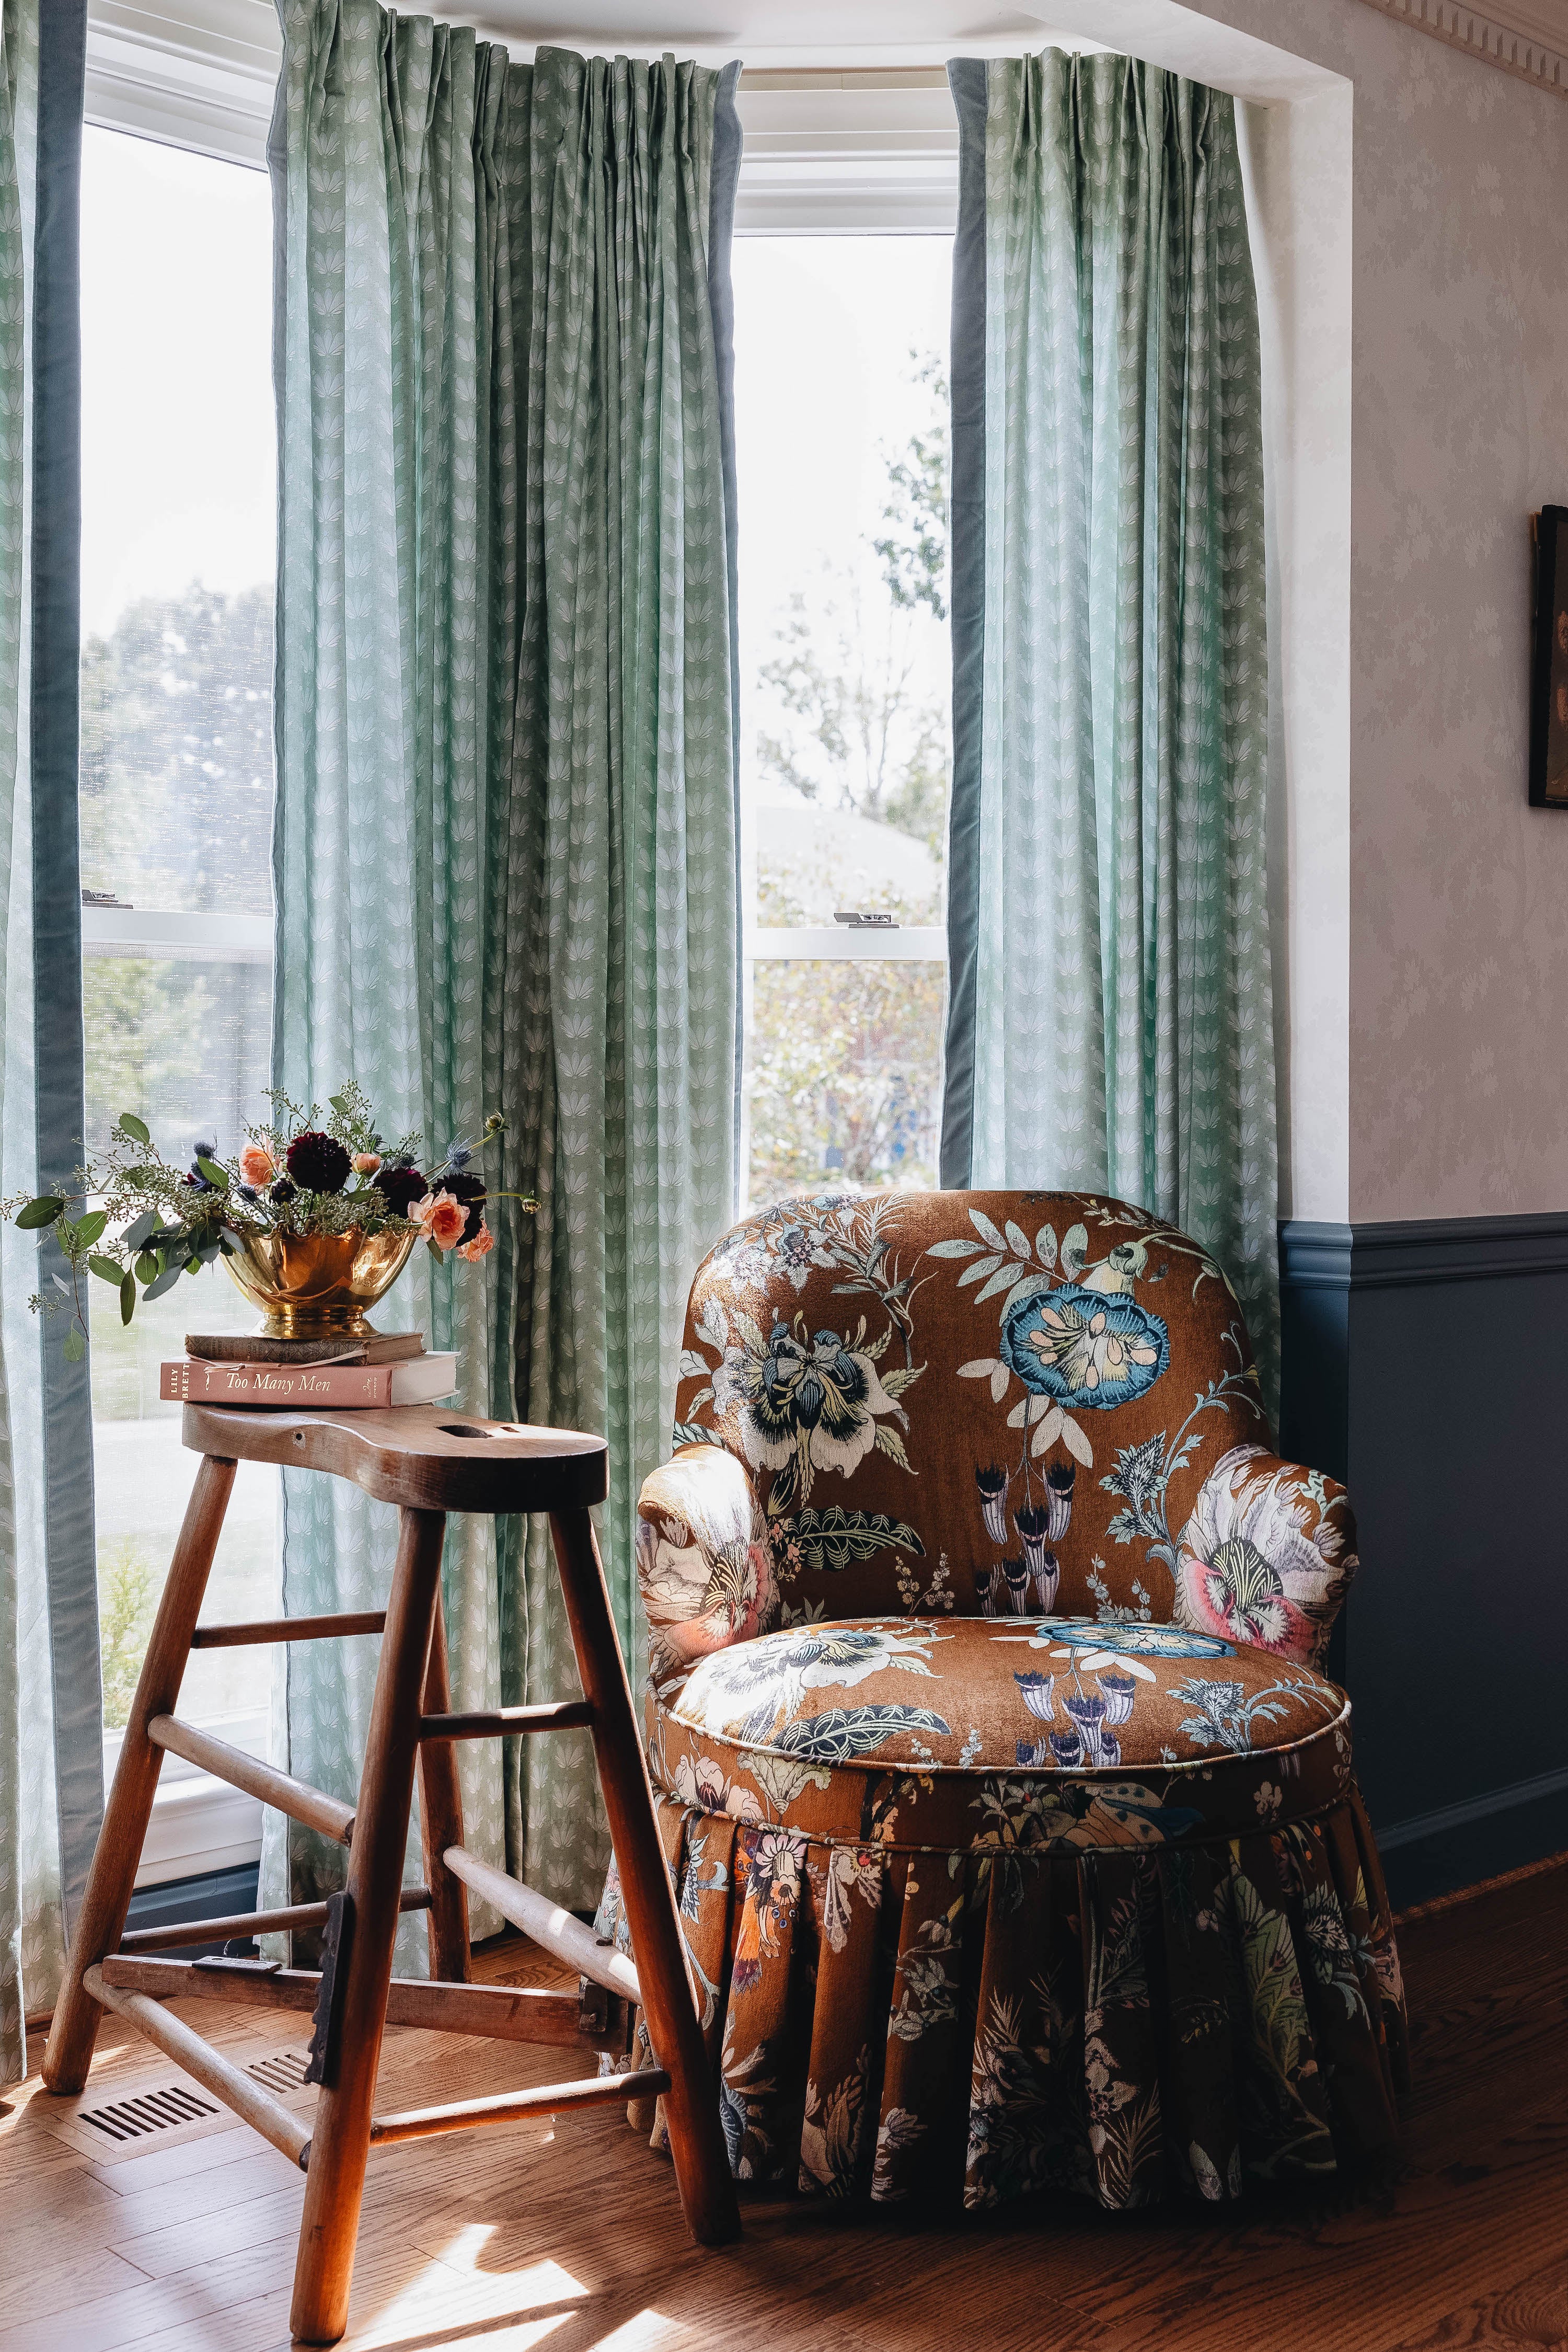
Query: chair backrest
x=985 y=1402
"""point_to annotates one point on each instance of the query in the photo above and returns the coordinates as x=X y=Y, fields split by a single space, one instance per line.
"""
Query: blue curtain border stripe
x=61 y=1110
x=966 y=611
x=724 y=184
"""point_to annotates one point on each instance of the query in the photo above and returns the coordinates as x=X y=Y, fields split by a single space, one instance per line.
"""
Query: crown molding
x=1527 y=38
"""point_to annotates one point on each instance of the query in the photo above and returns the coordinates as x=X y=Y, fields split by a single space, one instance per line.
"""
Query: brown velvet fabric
x=1012 y=1821
x=993 y=1402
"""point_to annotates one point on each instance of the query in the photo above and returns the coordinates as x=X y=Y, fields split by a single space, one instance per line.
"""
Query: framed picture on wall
x=1549 y=674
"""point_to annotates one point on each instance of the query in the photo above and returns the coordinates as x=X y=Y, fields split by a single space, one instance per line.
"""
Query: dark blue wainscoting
x=1421 y=1364
x=216 y=1895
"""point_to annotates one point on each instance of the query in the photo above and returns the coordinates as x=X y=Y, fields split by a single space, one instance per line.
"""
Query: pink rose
x=439 y=1218
x=256 y=1165
x=367 y=1162
x=483 y=1243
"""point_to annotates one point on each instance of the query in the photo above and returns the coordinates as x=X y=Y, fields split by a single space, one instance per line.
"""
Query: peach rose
x=256 y=1165
x=439 y=1218
x=483 y=1243
x=367 y=1162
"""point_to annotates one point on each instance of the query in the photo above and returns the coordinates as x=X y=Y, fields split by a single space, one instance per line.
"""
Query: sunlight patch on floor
x=639 y=2335
x=454 y=2291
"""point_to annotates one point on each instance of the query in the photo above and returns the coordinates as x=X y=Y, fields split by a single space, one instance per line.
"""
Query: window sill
x=837 y=943
x=199 y=1823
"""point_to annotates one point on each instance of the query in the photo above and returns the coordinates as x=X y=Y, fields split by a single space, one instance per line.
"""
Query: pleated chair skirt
x=970 y=2025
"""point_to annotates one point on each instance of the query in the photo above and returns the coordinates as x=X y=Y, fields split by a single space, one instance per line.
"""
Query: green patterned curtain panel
x=51 y=1726
x=504 y=846
x=1110 y=1006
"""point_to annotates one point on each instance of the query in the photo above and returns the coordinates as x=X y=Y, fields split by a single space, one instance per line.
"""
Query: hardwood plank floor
x=572 y=2238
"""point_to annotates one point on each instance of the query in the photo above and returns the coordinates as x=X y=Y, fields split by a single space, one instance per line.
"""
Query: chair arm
x=703 y=1559
x=1267 y=1556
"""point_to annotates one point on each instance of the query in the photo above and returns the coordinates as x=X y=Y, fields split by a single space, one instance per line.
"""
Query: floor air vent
x=285 y=2070
x=151 y=2111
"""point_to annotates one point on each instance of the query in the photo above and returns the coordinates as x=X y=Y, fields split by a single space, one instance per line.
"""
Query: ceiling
x=769 y=34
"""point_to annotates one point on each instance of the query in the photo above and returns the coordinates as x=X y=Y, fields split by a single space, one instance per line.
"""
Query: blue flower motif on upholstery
x=1127 y=1641
x=1085 y=1348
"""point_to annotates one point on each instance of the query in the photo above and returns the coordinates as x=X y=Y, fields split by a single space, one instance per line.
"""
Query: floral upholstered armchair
x=1010 y=1811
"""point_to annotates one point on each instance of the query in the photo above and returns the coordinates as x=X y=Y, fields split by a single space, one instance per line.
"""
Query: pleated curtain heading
x=1111 y=1007
x=505 y=853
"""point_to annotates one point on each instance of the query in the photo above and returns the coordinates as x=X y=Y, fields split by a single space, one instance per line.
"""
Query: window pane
x=841 y=442
x=176 y=813
x=841 y=445
x=845 y=1075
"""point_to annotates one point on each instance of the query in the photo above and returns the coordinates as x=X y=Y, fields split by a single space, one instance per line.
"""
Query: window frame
x=199 y=75
x=870 y=153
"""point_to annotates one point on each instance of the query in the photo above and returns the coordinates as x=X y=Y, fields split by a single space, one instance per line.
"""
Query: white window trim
x=199 y=1823
x=837 y=943
x=150 y=931
x=191 y=73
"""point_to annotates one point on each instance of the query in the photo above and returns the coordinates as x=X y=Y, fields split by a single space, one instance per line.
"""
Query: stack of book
x=313 y=1375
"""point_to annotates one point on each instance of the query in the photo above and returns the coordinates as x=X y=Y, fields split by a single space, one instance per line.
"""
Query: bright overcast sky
x=177 y=425
x=177 y=430
x=823 y=329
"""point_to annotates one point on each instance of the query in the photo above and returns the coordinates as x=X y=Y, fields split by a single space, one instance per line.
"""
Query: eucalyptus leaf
x=136 y=1128
x=209 y=1250
x=165 y=1281
x=146 y=1267
x=75 y=1345
x=41 y=1211
x=89 y=1229
x=108 y=1269
x=128 y=1297
x=212 y=1172
x=141 y=1229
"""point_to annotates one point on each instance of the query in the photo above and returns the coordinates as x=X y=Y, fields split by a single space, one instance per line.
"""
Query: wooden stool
x=428 y=1465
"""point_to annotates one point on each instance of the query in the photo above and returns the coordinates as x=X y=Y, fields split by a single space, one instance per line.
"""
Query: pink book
x=323 y=1388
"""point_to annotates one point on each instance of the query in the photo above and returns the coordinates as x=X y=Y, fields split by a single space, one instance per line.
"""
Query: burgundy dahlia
x=318 y=1164
x=399 y=1188
x=470 y=1190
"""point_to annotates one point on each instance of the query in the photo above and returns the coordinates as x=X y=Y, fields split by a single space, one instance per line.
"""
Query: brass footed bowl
x=317 y=1286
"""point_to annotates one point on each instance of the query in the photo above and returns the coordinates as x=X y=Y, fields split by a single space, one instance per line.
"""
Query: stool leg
x=691 y=2108
x=335 y=2178
x=111 y=1880
x=441 y=1823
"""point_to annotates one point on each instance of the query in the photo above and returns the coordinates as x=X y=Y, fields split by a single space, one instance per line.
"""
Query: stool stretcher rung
x=280 y=1790
x=248 y=1923
x=495 y=2012
x=511 y=2106
x=509 y=1722
x=548 y=1924
x=288 y=2134
x=242 y=1637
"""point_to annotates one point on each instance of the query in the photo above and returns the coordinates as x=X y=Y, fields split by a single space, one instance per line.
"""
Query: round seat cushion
x=973 y=1730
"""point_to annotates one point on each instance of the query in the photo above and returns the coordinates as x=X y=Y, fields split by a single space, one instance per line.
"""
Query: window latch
x=862 y=919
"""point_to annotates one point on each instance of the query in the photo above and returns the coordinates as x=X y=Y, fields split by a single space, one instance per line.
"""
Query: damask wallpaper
x=1456 y=1052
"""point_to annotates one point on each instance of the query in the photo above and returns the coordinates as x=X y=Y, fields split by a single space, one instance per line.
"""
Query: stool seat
x=427 y=1457
x=427 y=1460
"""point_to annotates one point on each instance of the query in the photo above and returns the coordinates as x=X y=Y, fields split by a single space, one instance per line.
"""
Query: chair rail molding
x=1527 y=38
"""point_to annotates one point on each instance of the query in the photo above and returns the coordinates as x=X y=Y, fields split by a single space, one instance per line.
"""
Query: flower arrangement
x=138 y=1221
